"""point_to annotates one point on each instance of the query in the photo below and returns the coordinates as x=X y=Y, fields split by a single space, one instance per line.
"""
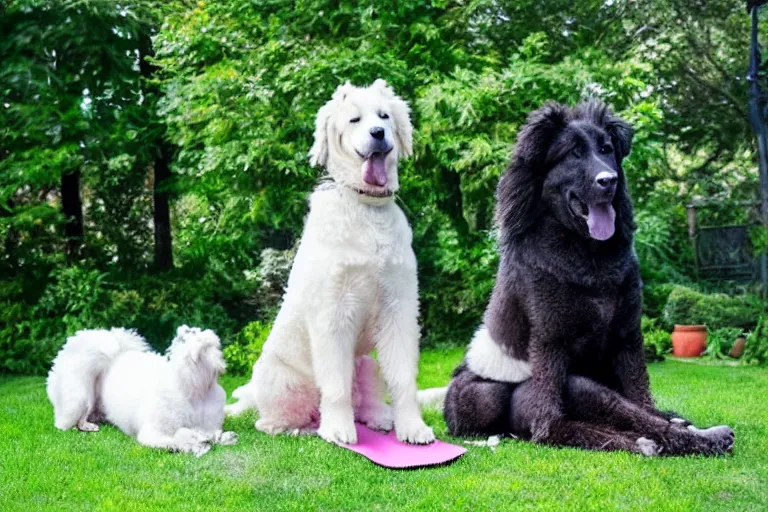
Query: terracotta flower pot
x=689 y=340
x=738 y=347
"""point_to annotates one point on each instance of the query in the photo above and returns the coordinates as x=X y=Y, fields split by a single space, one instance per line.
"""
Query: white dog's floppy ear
x=403 y=127
x=182 y=330
x=343 y=90
x=318 y=154
x=383 y=88
x=204 y=341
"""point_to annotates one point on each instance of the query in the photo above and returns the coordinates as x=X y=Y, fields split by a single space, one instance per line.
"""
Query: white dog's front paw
x=414 y=431
x=186 y=436
x=338 y=430
x=199 y=449
x=86 y=426
x=192 y=441
x=227 y=438
x=304 y=431
x=272 y=428
x=377 y=418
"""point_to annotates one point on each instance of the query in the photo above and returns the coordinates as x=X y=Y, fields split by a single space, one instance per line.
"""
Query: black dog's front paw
x=720 y=439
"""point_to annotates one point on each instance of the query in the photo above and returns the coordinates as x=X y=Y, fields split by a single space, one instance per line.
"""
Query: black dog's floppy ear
x=520 y=186
x=535 y=137
x=621 y=133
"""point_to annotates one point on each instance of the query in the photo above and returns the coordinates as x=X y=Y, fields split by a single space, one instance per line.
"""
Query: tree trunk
x=73 y=213
x=757 y=119
x=162 y=211
x=452 y=202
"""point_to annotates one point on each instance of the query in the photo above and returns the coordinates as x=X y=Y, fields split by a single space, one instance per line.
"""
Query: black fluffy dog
x=559 y=359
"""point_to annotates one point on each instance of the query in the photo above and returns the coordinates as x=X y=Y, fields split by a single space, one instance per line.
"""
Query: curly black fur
x=567 y=300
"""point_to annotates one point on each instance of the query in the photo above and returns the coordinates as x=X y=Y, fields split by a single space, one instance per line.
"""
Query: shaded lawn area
x=44 y=469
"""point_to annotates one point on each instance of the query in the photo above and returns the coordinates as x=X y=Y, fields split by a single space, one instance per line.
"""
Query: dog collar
x=378 y=195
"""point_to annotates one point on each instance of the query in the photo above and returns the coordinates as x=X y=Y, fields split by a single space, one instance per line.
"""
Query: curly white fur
x=172 y=402
x=352 y=288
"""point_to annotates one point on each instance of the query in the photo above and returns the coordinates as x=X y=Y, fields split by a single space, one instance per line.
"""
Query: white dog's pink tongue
x=375 y=171
x=601 y=221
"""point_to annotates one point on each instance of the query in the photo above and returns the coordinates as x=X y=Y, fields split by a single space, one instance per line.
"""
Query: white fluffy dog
x=352 y=288
x=172 y=402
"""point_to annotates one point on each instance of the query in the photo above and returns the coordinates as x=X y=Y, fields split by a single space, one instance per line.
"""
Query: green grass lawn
x=44 y=469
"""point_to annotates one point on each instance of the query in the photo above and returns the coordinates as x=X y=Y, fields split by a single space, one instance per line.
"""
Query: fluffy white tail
x=432 y=398
x=76 y=370
x=242 y=404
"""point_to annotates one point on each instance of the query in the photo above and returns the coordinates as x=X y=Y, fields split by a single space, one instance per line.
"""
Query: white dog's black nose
x=377 y=132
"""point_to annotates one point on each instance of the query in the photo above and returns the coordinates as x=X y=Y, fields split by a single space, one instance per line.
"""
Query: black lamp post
x=757 y=118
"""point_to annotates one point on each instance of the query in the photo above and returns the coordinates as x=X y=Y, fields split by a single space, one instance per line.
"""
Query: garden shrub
x=656 y=340
x=33 y=332
x=687 y=306
x=756 y=348
x=27 y=345
x=720 y=341
x=271 y=278
x=172 y=300
x=655 y=298
x=455 y=283
x=78 y=298
x=243 y=352
x=664 y=252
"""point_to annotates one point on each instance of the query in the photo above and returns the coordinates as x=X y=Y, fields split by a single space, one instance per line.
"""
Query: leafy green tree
x=72 y=130
x=78 y=135
x=150 y=151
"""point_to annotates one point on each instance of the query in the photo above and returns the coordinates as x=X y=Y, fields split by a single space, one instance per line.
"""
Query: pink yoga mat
x=385 y=450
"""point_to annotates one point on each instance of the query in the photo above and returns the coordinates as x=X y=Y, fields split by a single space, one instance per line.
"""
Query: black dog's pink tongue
x=375 y=170
x=601 y=221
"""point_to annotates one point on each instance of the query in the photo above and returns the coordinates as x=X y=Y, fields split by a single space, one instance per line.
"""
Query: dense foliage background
x=153 y=164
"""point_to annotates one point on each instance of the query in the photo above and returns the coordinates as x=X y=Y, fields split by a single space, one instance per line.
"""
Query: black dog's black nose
x=377 y=132
x=607 y=179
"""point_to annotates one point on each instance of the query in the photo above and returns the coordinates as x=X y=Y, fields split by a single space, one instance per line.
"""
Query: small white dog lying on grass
x=172 y=402
x=352 y=287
